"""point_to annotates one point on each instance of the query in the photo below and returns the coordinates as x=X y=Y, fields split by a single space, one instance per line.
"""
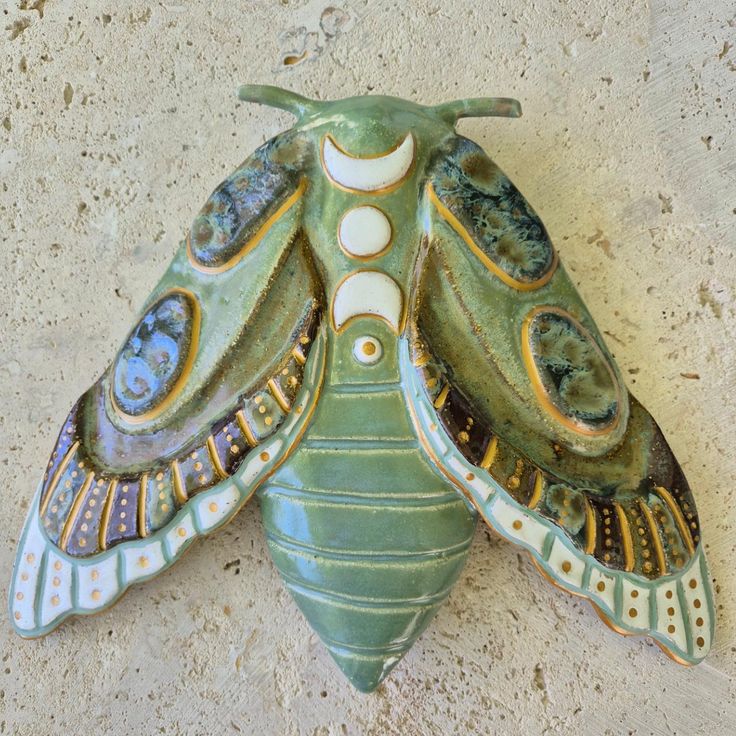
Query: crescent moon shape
x=369 y=174
x=368 y=294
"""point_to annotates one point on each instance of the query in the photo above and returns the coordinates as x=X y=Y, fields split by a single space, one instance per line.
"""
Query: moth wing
x=207 y=395
x=517 y=398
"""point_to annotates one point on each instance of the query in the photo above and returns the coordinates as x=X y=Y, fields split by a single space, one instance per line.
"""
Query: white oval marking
x=367 y=174
x=367 y=350
x=364 y=232
x=370 y=294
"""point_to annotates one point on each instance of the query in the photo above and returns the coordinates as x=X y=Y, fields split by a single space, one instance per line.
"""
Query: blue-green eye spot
x=154 y=357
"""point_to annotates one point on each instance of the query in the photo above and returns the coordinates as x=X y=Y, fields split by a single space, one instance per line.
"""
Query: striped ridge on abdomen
x=368 y=539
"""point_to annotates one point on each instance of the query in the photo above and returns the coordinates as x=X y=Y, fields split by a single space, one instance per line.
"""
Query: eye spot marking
x=367 y=350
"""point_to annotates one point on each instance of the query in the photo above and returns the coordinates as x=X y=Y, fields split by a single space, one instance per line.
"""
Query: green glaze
x=368 y=325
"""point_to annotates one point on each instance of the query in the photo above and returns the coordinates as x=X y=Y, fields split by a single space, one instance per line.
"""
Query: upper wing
x=518 y=399
x=208 y=393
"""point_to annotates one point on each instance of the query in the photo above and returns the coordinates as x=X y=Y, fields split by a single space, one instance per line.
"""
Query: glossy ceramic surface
x=369 y=325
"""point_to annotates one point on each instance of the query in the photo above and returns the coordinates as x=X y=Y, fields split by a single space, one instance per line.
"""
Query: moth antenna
x=479 y=107
x=284 y=99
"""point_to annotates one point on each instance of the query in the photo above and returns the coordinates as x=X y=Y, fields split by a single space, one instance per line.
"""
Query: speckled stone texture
x=116 y=122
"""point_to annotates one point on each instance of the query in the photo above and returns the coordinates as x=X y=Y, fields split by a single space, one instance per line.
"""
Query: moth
x=368 y=326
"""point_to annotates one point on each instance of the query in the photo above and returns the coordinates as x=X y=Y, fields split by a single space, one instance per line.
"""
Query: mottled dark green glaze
x=368 y=324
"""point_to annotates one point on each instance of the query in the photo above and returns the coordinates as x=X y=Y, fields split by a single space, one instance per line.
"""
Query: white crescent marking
x=367 y=174
x=370 y=294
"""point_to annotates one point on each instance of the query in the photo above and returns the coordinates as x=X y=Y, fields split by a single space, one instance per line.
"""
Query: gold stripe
x=679 y=518
x=245 y=428
x=537 y=493
x=490 y=454
x=74 y=512
x=106 y=513
x=590 y=528
x=422 y=360
x=298 y=355
x=257 y=237
x=654 y=534
x=142 y=494
x=214 y=457
x=439 y=402
x=623 y=523
x=179 y=490
x=459 y=228
x=276 y=392
x=55 y=479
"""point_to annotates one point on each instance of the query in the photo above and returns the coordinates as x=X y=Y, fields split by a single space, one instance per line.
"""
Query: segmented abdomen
x=368 y=539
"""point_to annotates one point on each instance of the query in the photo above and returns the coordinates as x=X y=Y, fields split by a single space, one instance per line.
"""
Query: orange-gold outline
x=397 y=330
x=536 y=380
x=384 y=190
x=74 y=512
x=654 y=534
x=371 y=256
x=185 y=371
x=287 y=204
x=679 y=518
x=106 y=513
x=459 y=228
x=55 y=478
x=623 y=524
x=430 y=451
x=142 y=501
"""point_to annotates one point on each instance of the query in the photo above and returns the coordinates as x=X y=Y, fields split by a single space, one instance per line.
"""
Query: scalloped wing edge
x=49 y=585
x=667 y=609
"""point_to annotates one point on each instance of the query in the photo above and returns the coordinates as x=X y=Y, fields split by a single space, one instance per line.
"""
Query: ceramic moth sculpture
x=368 y=326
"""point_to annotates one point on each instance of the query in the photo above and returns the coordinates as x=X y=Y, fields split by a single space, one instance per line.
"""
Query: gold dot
x=668 y=594
x=87 y=514
x=304 y=340
x=124 y=502
x=56 y=582
x=81 y=464
x=513 y=482
x=268 y=421
x=469 y=476
x=123 y=514
x=198 y=466
x=698 y=621
x=19 y=596
x=693 y=583
x=164 y=507
x=670 y=611
x=700 y=641
x=82 y=542
x=162 y=496
x=68 y=484
x=258 y=399
x=647 y=567
x=54 y=509
x=30 y=558
x=609 y=542
x=234 y=449
x=369 y=348
x=17 y=614
x=159 y=476
x=633 y=612
x=160 y=486
x=566 y=566
x=601 y=586
x=75 y=473
x=182 y=531
x=265 y=457
x=463 y=437
x=143 y=561
x=262 y=409
x=125 y=489
x=55 y=600
x=202 y=479
x=122 y=527
x=96 y=595
x=671 y=628
x=229 y=438
x=696 y=603
x=634 y=593
x=517 y=524
x=93 y=502
x=285 y=372
x=57 y=565
x=646 y=553
x=213 y=507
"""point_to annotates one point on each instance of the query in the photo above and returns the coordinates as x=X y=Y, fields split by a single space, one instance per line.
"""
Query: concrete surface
x=117 y=120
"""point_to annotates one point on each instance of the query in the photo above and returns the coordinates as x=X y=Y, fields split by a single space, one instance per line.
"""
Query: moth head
x=376 y=120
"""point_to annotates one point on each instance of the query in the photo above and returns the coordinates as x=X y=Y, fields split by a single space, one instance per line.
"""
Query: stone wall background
x=118 y=119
